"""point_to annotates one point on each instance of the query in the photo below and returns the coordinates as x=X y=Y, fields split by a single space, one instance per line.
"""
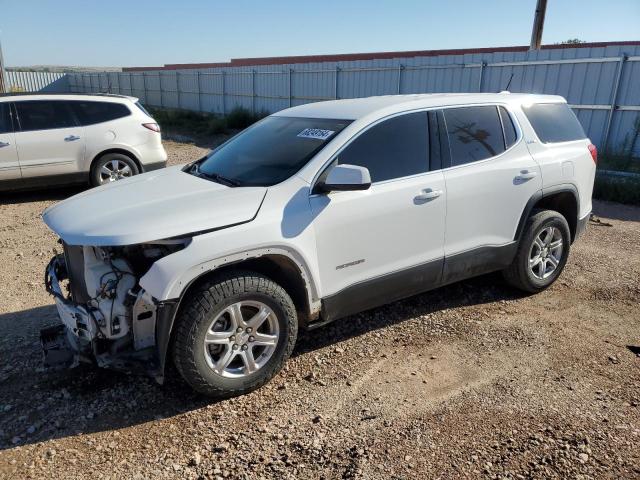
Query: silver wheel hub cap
x=241 y=339
x=114 y=170
x=546 y=253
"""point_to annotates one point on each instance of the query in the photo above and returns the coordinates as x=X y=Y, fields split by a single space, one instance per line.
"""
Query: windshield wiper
x=215 y=177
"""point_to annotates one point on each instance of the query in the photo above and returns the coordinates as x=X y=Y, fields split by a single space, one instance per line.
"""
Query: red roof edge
x=245 y=62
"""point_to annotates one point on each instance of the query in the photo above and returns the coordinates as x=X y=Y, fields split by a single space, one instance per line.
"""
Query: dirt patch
x=471 y=380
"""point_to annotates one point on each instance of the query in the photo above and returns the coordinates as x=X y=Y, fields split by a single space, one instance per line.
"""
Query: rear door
x=490 y=179
x=49 y=138
x=9 y=165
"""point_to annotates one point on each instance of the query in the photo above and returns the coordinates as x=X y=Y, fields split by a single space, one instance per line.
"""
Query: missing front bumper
x=57 y=351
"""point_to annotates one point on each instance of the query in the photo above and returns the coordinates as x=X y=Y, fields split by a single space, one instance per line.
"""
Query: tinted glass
x=44 y=115
x=272 y=150
x=475 y=133
x=90 y=113
x=509 y=128
x=554 y=122
x=5 y=119
x=395 y=148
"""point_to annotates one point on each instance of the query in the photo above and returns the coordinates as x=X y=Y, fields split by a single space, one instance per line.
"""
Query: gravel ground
x=471 y=380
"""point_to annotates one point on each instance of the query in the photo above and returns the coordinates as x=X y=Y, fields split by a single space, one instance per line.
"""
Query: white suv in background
x=60 y=139
x=313 y=214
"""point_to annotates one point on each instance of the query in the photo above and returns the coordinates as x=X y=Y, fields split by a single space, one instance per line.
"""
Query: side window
x=509 y=129
x=44 y=115
x=5 y=119
x=554 y=122
x=394 y=148
x=90 y=113
x=475 y=133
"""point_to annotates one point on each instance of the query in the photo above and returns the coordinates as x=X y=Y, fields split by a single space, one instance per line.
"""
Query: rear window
x=90 y=113
x=554 y=122
x=44 y=115
x=5 y=119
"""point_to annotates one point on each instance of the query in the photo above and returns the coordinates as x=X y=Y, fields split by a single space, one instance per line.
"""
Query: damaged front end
x=107 y=317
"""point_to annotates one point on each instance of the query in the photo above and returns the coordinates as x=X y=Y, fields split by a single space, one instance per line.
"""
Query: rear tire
x=234 y=334
x=111 y=167
x=542 y=252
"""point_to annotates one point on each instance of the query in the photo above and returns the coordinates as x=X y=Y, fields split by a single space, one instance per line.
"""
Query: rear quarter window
x=554 y=122
x=90 y=112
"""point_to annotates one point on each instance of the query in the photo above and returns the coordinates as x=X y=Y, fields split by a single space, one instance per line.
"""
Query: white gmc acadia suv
x=313 y=214
x=51 y=139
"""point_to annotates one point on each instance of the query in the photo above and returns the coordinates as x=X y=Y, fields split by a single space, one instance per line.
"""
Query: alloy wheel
x=114 y=170
x=241 y=339
x=546 y=253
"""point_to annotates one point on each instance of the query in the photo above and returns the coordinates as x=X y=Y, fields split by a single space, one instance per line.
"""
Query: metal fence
x=602 y=84
x=25 y=81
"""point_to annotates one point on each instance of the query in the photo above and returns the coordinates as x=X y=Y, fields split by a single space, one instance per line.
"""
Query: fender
x=539 y=195
x=167 y=309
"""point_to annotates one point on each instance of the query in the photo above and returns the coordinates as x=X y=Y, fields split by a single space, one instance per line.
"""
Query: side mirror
x=343 y=178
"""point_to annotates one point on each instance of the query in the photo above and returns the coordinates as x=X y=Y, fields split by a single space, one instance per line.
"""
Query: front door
x=384 y=243
x=49 y=140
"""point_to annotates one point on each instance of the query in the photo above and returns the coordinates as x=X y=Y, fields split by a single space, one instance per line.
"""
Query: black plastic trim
x=30 y=183
x=414 y=280
x=435 y=154
x=526 y=213
x=478 y=261
x=445 y=148
x=149 y=167
x=539 y=195
x=165 y=317
x=381 y=290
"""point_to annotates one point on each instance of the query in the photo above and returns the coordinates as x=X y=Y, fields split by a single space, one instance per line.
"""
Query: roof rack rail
x=20 y=94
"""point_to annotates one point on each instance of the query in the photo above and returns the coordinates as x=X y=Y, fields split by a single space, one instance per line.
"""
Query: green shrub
x=619 y=163
x=240 y=118
x=617 y=189
x=205 y=123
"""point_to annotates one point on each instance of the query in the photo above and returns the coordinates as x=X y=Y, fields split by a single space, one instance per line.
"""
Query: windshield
x=268 y=152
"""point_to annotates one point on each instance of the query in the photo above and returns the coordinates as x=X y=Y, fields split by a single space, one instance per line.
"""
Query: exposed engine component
x=108 y=316
x=108 y=280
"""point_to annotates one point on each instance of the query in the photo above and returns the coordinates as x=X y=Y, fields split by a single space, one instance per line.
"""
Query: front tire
x=112 y=167
x=234 y=334
x=542 y=252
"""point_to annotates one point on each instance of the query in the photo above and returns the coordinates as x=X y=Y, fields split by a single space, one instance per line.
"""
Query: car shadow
x=43 y=194
x=37 y=404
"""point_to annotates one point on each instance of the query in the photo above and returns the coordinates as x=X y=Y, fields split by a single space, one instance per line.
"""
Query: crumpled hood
x=152 y=206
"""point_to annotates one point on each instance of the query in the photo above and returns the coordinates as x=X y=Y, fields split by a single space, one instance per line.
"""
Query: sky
x=118 y=33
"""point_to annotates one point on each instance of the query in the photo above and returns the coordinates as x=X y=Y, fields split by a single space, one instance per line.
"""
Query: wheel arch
x=275 y=264
x=563 y=199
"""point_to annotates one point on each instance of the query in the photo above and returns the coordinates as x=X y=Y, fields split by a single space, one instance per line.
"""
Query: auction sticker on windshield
x=315 y=133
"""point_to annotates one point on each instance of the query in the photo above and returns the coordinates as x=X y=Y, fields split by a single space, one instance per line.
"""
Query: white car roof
x=356 y=108
x=72 y=96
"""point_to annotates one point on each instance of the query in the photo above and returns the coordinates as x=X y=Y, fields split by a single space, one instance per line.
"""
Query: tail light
x=594 y=152
x=152 y=126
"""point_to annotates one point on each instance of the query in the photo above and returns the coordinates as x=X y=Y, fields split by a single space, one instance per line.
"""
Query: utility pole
x=3 y=85
x=538 y=24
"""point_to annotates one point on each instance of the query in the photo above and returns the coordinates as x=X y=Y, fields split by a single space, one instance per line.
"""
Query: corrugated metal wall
x=589 y=77
x=48 y=82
